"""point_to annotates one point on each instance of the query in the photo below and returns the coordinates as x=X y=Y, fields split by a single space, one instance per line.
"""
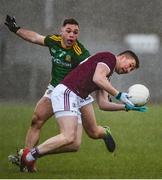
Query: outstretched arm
x=31 y=36
x=104 y=103
x=25 y=34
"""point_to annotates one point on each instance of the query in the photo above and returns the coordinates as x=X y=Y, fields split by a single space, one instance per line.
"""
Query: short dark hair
x=70 y=21
x=131 y=54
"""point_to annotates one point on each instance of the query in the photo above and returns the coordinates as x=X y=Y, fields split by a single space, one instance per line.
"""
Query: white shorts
x=66 y=102
x=48 y=91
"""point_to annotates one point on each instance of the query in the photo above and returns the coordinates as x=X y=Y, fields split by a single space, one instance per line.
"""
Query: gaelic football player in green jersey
x=67 y=52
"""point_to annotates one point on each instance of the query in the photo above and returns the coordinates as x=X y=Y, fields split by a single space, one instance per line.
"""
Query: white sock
x=29 y=157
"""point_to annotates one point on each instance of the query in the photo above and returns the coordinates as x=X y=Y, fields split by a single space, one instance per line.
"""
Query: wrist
x=16 y=29
x=126 y=107
x=118 y=95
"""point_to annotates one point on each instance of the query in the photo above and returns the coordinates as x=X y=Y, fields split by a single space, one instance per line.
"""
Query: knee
x=70 y=138
x=75 y=146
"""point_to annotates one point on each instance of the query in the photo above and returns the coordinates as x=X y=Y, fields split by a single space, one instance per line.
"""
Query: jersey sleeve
x=110 y=61
x=48 y=41
x=51 y=40
x=107 y=58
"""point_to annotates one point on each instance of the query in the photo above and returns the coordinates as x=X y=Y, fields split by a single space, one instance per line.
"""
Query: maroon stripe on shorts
x=66 y=100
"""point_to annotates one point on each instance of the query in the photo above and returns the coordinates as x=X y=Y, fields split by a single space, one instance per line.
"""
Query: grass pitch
x=138 y=154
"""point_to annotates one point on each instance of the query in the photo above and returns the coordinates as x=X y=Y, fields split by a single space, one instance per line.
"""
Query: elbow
x=94 y=79
x=97 y=80
x=106 y=105
x=102 y=108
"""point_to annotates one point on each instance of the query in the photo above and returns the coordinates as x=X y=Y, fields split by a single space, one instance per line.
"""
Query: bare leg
x=43 y=111
x=67 y=136
x=74 y=146
x=93 y=130
x=89 y=122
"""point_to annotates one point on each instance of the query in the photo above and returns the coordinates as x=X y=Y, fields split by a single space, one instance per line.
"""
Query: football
x=138 y=94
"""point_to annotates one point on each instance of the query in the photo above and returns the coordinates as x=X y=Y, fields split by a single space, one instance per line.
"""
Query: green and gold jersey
x=64 y=60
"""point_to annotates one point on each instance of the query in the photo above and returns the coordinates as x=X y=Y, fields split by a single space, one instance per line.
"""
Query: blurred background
x=112 y=25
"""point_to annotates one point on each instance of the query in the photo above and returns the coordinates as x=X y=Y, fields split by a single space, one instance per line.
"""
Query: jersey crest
x=68 y=58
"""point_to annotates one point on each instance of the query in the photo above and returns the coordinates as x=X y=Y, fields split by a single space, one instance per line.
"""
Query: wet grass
x=138 y=154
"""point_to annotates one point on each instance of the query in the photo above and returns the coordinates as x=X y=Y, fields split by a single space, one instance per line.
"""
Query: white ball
x=138 y=94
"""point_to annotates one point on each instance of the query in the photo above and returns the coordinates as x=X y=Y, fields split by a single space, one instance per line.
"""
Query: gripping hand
x=136 y=108
x=11 y=24
x=123 y=97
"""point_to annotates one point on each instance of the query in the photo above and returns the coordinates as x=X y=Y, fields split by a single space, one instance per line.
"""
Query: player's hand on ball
x=11 y=24
x=123 y=97
x=136 y=108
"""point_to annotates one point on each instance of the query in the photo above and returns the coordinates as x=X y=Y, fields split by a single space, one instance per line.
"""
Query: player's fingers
x=144 y=109
x=8 y=18
x=13 y=18
x=129 y=103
